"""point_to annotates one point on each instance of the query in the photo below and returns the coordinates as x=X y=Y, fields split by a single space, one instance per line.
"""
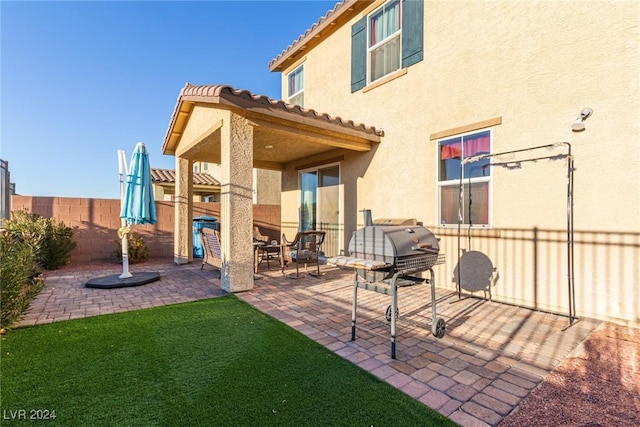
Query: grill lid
x=390 y=242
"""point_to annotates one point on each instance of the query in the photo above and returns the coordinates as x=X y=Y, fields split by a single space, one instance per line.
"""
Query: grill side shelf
x=351 y=262
x=418 y=263
x=386 y=286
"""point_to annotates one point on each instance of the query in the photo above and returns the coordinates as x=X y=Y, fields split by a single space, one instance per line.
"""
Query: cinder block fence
x=95 y=223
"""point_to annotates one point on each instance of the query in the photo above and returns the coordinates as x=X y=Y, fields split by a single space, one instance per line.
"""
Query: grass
x=217 y=362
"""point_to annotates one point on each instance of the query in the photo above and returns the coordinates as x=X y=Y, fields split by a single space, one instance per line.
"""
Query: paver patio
x=492 y=356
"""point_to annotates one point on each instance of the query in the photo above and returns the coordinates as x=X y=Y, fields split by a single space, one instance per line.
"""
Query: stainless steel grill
x=410 y=249
x=388 y=257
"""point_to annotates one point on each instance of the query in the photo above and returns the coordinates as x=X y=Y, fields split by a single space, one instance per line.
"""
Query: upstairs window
x=384 y=40
x=295 y=91
x=472 y=207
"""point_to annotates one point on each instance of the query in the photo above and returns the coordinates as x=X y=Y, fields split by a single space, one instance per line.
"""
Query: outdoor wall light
x=268 y=146
x=578 y=125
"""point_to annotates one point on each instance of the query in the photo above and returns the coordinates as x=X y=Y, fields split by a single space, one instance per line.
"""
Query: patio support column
x=183 y=223
x=237 y=204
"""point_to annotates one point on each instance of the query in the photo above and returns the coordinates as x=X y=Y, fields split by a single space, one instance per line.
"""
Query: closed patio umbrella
x=136 y=204
x=136 y=207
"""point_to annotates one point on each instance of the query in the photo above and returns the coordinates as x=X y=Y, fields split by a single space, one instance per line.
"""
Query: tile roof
x=244 y=98
x=169 y=175
x=302 y=36
x=341 y=13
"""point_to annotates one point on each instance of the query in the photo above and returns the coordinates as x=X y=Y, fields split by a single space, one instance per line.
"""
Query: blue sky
x=80 y=80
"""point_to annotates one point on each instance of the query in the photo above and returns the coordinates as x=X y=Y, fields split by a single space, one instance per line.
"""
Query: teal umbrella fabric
x=138 y=206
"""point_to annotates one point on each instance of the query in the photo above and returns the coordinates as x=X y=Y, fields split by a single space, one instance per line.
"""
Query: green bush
x=50 y=239
x=136 y=248
x=20 y=284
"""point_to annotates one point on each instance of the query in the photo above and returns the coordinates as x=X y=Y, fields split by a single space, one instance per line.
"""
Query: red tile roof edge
x=228 y=92
x=330 y=14
x=169 y=175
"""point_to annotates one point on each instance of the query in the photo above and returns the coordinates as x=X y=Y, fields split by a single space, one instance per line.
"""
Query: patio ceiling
x=282 y=133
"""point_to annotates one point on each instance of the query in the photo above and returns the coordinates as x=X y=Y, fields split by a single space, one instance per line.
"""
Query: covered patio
x=240 y=131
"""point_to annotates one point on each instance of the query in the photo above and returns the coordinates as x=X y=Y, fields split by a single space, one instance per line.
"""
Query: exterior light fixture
x=268 y=146
x=578 y=125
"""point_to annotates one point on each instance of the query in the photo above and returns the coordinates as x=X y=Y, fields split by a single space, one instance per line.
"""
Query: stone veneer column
x=237 y=204
x=183 y=225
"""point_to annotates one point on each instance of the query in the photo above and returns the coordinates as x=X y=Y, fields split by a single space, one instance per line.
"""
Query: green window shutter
x=412 y=32
x=359 y=54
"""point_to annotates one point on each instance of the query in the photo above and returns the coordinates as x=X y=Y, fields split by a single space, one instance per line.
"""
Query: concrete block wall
x=95 y=223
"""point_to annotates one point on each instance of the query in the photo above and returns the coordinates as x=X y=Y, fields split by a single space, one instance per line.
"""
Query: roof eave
x=177 y=124
x=319 y=31
x=229 y=97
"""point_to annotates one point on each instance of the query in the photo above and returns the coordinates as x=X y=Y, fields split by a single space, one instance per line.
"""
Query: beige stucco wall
x=536 y=70
x=267 y=184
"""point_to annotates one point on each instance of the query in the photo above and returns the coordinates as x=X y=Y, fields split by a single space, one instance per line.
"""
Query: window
x=295 y=91
x=475 y=177
x=388 y=39
x=384 y=40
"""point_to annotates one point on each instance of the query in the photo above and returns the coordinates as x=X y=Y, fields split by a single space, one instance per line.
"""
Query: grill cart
x=388 y=257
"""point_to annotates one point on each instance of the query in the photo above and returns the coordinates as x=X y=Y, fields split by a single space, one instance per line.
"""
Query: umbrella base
x=114 y=281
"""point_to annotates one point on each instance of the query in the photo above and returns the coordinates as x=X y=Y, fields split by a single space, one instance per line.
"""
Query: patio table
x=266 y=252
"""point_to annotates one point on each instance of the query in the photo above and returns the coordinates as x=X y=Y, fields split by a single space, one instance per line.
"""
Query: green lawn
x=217 y=362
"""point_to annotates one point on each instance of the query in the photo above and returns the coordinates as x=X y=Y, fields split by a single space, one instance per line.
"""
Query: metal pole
x=355 y=305
x=394 y=308
x=570 y=260
x=123 y=170
x=460 y=210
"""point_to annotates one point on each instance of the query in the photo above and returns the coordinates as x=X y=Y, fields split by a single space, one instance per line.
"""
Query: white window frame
x=465 y=182
x=371 y=49
x=292 y=98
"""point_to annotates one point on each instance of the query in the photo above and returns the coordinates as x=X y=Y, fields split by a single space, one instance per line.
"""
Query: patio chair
x=258 y=236
x=211 y=245
x=303 y=249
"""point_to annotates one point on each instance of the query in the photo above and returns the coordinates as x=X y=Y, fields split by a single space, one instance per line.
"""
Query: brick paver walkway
x=65 y=296
x=492 y=356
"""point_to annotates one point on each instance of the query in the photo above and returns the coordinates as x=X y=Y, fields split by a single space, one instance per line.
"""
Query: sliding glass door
x=320 y=204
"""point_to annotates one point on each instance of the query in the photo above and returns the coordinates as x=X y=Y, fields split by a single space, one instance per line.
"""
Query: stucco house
x=266 y=183
x=206 y=188
x=396 y=105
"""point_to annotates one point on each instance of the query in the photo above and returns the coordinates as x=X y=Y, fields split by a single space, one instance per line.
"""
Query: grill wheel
x=438 y=328
x=387 y=314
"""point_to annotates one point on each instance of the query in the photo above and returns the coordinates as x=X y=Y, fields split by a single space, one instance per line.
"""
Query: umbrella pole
x=122 y=166
x=125 y=254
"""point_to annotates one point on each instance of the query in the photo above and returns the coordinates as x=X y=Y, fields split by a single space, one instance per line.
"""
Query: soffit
x=282 y=132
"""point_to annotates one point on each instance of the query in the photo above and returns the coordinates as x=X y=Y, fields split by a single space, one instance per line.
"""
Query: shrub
x=136 y=248
x=50 y=239
x=18 y=269
x=57 y=245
